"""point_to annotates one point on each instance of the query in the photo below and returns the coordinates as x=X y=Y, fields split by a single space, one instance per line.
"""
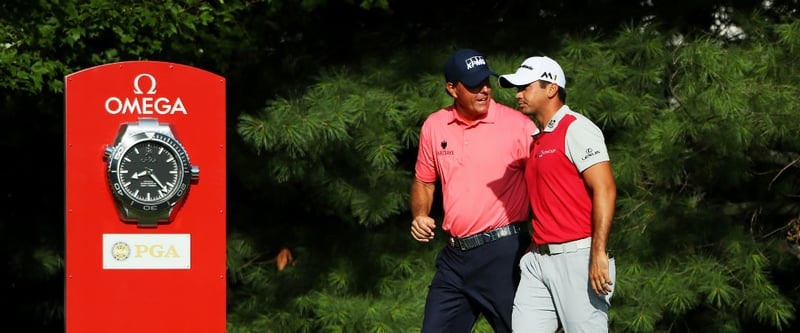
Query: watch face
x=149 y=171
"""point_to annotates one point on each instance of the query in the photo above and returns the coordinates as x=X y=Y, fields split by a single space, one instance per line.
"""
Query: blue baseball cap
x=468 y=67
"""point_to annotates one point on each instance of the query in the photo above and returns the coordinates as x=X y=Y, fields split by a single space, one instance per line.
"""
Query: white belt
x=556 y=248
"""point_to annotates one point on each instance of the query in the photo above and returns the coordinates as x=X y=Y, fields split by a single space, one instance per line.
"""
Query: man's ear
x=450 y=87
x=552 y=90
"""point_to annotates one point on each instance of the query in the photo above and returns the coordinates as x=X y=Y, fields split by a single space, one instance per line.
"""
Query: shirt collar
x=553 y=123
x=489 y=119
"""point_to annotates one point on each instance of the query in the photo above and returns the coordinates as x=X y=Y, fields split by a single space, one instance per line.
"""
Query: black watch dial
x=149 y=172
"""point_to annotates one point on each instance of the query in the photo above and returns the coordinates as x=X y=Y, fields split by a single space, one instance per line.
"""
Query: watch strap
x=150 y=125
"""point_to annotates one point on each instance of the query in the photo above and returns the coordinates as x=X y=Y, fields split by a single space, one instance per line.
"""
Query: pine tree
x=702 y=132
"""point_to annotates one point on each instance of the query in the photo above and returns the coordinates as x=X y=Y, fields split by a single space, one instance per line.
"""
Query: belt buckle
x=456 y=243
x=543 y=249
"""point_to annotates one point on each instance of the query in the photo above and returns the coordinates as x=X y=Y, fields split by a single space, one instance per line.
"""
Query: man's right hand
x=422 y=228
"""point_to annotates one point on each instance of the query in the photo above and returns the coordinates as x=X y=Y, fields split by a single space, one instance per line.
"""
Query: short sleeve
x=585 y=144
x=425 y=169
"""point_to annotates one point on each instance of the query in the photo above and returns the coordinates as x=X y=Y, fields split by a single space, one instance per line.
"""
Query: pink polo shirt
x=481 y=167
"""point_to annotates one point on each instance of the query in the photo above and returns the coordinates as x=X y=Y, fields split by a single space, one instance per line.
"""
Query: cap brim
x=477 y=79
x=512 y=80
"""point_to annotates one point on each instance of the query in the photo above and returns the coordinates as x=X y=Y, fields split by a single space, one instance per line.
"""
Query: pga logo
x=155 y=251
x=147 y=251
x=122 y=251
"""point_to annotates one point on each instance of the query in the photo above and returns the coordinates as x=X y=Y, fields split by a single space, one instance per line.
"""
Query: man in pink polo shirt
x=477 y=149
x=568 y=277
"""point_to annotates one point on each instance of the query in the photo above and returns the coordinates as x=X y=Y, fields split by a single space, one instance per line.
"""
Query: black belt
x=471 y=242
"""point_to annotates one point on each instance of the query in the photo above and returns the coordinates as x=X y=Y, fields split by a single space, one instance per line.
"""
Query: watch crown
x=108 y=151
x=195 y=173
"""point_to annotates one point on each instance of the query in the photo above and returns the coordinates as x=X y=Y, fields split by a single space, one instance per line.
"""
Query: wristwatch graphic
x=149 y=172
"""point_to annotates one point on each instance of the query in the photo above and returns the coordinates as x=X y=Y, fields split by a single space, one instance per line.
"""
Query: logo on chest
x=545 y=152
x=442 y=152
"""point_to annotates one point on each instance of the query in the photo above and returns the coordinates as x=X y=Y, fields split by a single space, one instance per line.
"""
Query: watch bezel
x=170 y=200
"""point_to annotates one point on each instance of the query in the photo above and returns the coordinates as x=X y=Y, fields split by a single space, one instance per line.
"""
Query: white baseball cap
x=535 y=69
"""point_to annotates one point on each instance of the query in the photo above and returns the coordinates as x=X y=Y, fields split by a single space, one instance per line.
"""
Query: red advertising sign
x=145 y=199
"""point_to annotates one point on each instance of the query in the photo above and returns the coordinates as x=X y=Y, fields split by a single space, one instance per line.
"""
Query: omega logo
x=144 y=102
x=137 y=90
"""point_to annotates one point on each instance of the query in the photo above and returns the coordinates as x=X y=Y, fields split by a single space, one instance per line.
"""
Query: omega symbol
x=137 y=90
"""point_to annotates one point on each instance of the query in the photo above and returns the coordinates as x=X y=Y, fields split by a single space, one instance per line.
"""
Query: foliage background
x=698 y=100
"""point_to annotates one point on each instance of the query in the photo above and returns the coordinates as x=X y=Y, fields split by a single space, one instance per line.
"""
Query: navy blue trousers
x=468 y=283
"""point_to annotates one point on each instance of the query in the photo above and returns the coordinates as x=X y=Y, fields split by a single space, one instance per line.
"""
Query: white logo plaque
x=147 y=251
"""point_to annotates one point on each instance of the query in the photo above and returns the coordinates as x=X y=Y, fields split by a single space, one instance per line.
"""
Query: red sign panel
x=145 y=199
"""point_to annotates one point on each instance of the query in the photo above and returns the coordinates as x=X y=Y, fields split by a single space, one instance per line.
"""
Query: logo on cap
x=475 y=61
x=549 y=76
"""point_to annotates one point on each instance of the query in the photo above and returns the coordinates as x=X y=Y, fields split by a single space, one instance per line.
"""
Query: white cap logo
x=475 y=61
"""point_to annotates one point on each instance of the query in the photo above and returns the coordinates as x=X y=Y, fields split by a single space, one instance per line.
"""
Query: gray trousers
x=555 y=289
